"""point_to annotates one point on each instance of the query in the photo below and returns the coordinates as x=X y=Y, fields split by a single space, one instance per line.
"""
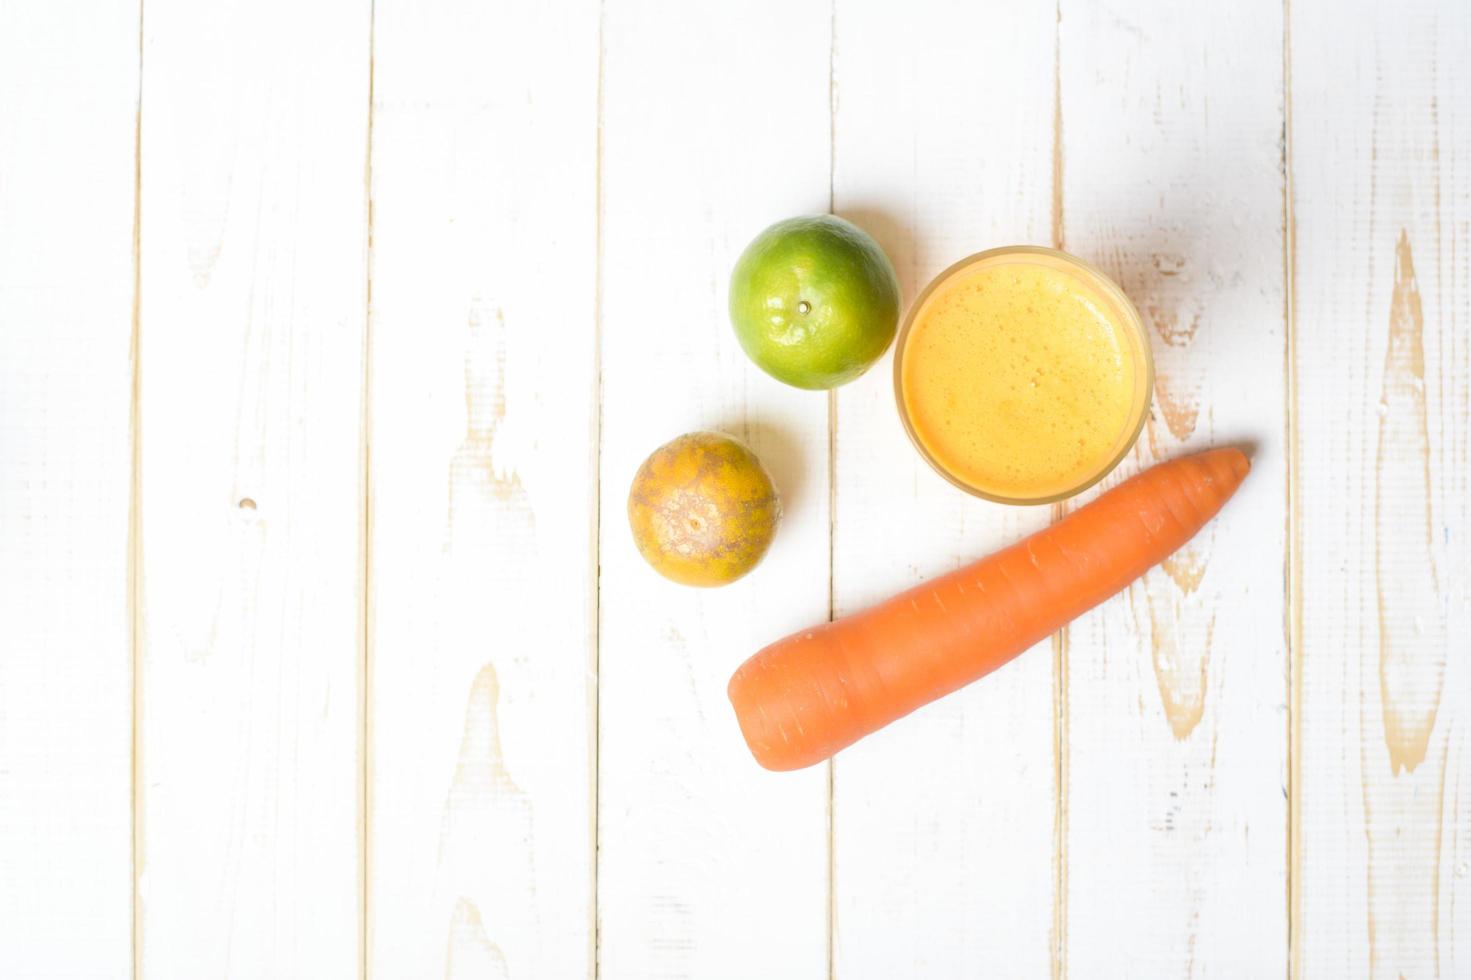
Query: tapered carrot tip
x=807 y=696
x=1237 y=463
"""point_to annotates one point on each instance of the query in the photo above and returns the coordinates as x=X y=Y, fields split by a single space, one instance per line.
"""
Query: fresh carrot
x=805 y=697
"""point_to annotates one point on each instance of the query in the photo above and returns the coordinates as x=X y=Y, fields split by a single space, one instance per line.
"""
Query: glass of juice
x=1023 y=375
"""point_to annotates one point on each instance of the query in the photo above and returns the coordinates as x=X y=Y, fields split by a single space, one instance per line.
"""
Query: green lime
x=814 y=301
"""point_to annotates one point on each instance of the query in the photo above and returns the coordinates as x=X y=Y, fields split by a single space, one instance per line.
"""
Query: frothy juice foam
x=1023 y=375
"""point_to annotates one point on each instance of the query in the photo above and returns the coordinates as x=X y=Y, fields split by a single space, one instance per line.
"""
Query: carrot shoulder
x=805 y=697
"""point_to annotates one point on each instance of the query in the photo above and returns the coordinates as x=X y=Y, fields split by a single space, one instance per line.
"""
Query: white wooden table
x=331 y=334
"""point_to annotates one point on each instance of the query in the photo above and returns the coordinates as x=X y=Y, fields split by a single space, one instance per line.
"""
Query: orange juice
x=1023 y=375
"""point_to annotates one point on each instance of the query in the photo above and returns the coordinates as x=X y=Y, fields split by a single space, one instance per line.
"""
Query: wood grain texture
x=715 y=123
x=943 y=824
x=1381 y=154
x=68 y=110
x=253 y=287
x=483 y=487
x=331 y=336
x=1176 y=693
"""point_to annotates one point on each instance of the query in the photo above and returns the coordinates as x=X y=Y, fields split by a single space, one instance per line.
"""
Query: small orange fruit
x=703 y=509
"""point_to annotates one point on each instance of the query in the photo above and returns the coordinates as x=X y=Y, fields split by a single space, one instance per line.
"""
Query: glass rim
x=1092 y=274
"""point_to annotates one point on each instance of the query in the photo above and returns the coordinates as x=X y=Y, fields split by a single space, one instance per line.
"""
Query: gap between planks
x=365 y=621
x=1292 y=561
x=1060 y=638
x=135 y=520
x=595 y=732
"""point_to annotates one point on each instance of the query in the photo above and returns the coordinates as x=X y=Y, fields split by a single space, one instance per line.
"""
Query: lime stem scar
x=804 y=307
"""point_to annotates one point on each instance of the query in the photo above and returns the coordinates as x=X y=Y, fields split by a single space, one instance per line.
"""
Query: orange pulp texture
x=1020 y=379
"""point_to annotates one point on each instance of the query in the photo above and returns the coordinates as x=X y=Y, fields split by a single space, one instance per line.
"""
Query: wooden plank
x=483 y=485
x=1381 y=165
x=68 y=111
x=1176 y=694
x=254 y=231
x=943 y=824
x=715 y=123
